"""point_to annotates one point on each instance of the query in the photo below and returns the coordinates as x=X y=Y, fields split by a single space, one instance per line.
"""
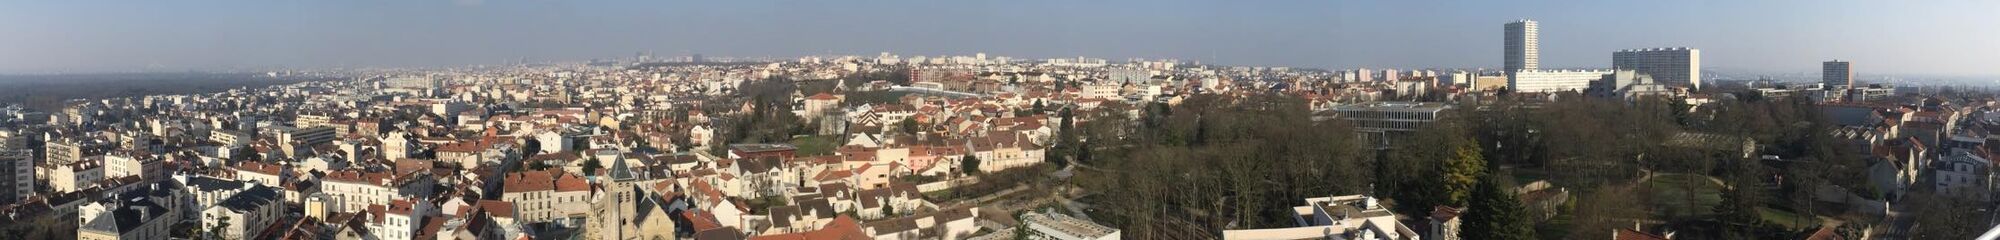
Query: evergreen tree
x=1493 y=213
x=1066 y=139
x=591 y=165
x=970 y=164
x=1462 y=170
x=887 y=210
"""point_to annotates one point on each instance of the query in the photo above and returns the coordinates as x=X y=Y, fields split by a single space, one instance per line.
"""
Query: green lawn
x=1670 y=195
x=1786 y=218
x=1556 y=228
x=816 y=145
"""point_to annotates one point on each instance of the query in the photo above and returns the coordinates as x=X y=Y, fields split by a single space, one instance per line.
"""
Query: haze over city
x=1945 y=38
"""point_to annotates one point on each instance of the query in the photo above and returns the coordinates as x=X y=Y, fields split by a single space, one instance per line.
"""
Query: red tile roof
x=497 y=208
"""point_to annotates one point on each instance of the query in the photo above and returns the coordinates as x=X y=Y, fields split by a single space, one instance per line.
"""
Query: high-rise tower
x=1523 y=47
x=1836 y=74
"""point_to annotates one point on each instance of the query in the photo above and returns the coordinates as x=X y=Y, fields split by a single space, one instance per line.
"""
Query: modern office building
x=1552 y=80
x=1670 y=66
x=1378 y=122
x=1837 y=74
x=1523 y=46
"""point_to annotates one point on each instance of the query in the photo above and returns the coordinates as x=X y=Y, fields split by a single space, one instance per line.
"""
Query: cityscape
x=1665 y=138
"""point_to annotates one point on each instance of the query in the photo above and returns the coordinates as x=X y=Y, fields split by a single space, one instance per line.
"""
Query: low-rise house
x=1964 y=174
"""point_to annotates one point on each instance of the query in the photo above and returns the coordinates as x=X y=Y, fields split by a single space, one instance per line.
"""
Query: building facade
x=1836 y=74
x=1552 y=80
x=1523 y=46
x=1670 y=66
x=17 y=175
x=1376 y=122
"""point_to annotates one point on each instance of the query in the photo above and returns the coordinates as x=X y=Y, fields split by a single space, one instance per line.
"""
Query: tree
x=1439 y=165
x=1253 y=156
x=591 y=165
x=1066 y=139
x=1461 y=172
x=887 y=209
x=908 y=126
x=1493 y=213
x=970 y=164
x=215 y=232
x=1021 y=233
x=1945 y=217
x=1739 y=203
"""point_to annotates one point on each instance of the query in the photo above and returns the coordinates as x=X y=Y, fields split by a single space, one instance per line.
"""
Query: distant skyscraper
x=1836 y=73
x=1523 y=47
x=697 y=59
x=1670 y=66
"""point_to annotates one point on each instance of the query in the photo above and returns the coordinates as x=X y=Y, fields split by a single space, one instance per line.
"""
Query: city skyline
x=1773 y=37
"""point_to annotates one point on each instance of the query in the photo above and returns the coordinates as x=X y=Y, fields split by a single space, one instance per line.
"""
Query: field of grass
x=1683 y=195
x=816 y=145
x=1788 y=219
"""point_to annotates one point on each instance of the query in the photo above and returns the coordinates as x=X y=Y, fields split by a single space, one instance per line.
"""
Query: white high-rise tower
x=1523 y=47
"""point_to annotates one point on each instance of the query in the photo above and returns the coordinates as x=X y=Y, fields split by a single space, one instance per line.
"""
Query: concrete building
x=1336 y=217
x=63 y=151
x=1376 y=121
x=1670 y=66
x=1523 y=46
x=13 y=139
x=147 y=167
x=1552 y=80
x=1064 y=227
x=134 y=220
x=246 y=214
x=1629 y=85
x=1836 y=74
x=75 y=176
x=17 y=175
x=307 y=136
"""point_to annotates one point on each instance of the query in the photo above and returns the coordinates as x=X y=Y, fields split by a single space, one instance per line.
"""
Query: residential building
x=1523 y=46
x=63 y=151
x=1671 y=66
x=134 y=220
x=1552 y=80
x=1963 y=174
x=246 y=214
x=17 y=175
x=1836 y=74
x=75 y=175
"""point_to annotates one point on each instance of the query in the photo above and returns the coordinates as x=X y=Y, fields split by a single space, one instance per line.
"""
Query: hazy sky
x=1947 y=37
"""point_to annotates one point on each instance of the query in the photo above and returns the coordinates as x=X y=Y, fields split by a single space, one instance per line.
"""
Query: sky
x=1946 y=37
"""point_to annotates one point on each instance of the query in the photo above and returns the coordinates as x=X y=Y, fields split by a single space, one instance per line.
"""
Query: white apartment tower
x=1670 y=66
x=1837 y=73
x=1523 y=46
